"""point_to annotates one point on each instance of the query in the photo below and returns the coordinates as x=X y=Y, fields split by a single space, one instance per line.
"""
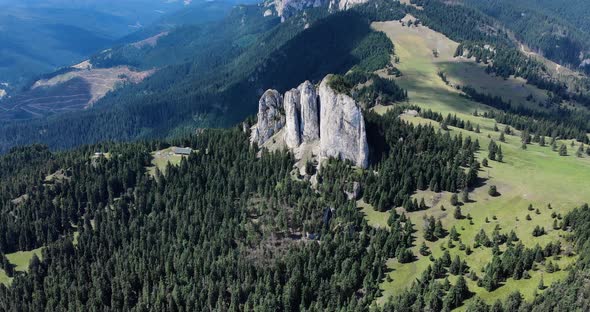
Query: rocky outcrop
x=341 y=5
x=288 y=8
x=311 y=117
x=292 y=117
x=310 y=112
x=354 y=192
x=271 y=117
x=342 y=127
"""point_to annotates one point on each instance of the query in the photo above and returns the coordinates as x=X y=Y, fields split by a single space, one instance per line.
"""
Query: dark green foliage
x=455 y=201
x=457 y=213
x=433 y=229
x=513 y=263
x=403 y=152
x=197 y=229
x=507 y=61
x=563 y=150
x=538 y=231
x=549 y=31
x=557 y=122
x=219 y=83
x=375 y=89
x=428 y=294
x=493 y=191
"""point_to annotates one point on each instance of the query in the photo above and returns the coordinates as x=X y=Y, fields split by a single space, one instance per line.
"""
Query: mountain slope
x=218 y=86
x=40 y=36
x=557 y=30
x=474 y=195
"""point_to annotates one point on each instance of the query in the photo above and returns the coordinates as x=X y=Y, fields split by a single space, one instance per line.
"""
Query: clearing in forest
x=161 y=159
x=20 y=260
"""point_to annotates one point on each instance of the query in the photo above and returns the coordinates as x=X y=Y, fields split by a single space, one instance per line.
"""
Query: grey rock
x=310 y=115
x=292 y=118
x=288 y=8
x=341 y=5
x=355 y=191
x=271 y=117
x=342 y=127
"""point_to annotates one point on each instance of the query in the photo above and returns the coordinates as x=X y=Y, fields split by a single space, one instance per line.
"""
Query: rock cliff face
x=293 y=115
x=288 y=8
x=271 y=117
x=323 y=118
x=310 y=112
x=341 y=5
x=342 y=127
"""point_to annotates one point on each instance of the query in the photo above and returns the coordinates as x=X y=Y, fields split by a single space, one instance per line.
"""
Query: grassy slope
x=535 y=176
x=162 y=158
x=21 y=261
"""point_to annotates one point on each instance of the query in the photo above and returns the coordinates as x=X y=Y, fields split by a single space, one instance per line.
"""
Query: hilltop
x=406 y=156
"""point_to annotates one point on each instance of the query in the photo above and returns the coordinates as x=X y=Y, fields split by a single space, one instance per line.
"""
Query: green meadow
x=20 y=260
x=536 y=176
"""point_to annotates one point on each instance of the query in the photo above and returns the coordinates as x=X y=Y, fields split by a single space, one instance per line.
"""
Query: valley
x=75 y=90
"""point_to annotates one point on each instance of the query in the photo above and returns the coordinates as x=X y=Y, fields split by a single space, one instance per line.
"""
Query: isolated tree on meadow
x=457 y=214
x=493 y=191
x=563 y=150
x=542 y=141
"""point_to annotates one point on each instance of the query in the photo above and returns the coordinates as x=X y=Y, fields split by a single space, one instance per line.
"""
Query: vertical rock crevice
x=271 y=117
x=332 y=121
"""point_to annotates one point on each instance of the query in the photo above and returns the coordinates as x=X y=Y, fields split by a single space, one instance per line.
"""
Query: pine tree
x=454 y=200
x=424 y=250
x=492 y=150
x=453 y=234
x=493 y=191
x=541 y=285
x=439 y=231
x=563 y=150
x=457 y=214
x=465 y=195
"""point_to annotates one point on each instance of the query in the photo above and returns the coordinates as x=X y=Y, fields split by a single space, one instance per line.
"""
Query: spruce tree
x=457 y=214
x=563 y=150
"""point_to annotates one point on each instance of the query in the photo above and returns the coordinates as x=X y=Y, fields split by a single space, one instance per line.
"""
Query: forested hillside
x=558 y=30
x=219 y=84
x=474 y=198
x=41 y=36
x=211 y=74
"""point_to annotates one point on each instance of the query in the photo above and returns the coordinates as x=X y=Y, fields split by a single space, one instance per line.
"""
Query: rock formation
x=288 y=8
x=342 y=127
x=310 y=115
x=323 y=118
x=292 y=117
x=271 y=117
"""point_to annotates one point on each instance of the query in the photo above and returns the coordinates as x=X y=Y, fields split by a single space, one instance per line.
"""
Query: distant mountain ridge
x=211 y=73
x=40 y=36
